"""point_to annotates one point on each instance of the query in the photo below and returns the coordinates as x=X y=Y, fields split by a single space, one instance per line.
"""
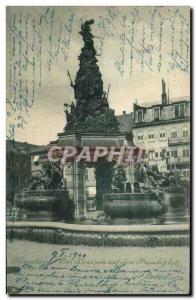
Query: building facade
x=18 y=168
x=163 y=130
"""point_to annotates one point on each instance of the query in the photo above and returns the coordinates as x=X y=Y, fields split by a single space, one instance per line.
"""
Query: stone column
x=68 y=173
x=79 y=190
x=75 y=181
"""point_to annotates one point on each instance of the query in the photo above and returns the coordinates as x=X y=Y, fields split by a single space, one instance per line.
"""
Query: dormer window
x=179 y=110
x=156 y=113
x=139 y=116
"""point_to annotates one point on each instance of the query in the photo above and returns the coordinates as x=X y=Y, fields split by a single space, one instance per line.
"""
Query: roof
x=41 y=149
x=23 y=147
x=171 y=102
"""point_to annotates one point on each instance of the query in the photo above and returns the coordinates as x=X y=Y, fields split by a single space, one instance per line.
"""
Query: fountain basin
x=176 y=197
x=44 y=205
x=135 y=205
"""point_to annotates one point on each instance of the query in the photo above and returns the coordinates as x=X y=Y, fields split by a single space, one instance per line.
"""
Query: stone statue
x=91 y=100
x=52 y=178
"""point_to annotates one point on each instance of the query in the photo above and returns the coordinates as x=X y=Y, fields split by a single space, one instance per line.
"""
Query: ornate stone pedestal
x=74 y=172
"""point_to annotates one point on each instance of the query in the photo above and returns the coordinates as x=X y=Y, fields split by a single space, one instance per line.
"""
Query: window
x=140 y=137
x=168 y=154
x=174 y=153
x=156 y=154
x=151 y=136
x=163 y=153
x=186 y=173
x=162 y=135
x=174 y=134
x=151 y=154
x=185 y=133
x=156 y=114
x=185 y=153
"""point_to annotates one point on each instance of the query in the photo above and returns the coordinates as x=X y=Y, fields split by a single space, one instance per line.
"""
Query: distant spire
x=163 y=86
x=164 y=95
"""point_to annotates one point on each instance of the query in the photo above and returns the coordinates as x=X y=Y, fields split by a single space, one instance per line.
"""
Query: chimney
x=124 y=112
x=164 y=95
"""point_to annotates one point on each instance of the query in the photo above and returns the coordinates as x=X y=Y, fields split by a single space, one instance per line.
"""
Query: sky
x=136 y=48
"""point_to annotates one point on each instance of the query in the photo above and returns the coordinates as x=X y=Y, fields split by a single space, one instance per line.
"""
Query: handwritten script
x=76 y=270
x=35 y=43
x=41 y=40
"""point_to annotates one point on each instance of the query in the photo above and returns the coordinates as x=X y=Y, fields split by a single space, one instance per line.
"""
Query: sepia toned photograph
x=98 y=150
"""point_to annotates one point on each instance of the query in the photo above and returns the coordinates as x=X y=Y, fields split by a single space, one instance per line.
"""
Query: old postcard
x=98 y=150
